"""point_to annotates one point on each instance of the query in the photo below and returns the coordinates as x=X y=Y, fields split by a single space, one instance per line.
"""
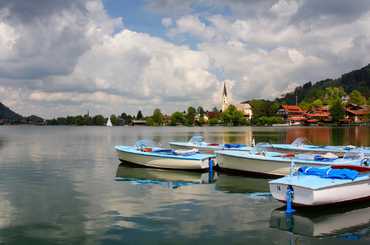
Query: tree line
x=264 y=112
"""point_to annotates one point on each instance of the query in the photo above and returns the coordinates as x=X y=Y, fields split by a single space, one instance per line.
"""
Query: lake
x=65 y=185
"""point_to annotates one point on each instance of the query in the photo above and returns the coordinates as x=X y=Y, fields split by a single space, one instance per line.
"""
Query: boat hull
x=163 y=162
x=262 y=166
x=350 y=192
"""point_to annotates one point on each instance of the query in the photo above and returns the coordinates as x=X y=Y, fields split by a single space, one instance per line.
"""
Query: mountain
x=8 y=116
x=354 y=80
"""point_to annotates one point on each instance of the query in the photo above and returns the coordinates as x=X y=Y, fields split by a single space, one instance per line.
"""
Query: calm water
x=64 y=185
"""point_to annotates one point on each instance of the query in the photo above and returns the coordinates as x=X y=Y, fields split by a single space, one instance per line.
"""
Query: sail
x=109 y=122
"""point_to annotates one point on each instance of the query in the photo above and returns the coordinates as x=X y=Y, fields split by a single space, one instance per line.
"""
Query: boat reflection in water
x=241 y=184
x=350 y=223
x=166 y=178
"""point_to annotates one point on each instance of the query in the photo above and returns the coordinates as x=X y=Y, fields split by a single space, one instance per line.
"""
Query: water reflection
x=58 y=185
x=2 y=142
x=241 y=184
x=167 y=178
x=350 y=223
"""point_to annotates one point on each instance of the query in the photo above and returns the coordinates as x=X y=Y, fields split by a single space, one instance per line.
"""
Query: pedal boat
x=337 y=184
x=278 y=164
x=165 y=158
x=302 y=145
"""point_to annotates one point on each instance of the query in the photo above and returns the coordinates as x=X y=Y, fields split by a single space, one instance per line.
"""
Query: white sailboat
x=109 y=123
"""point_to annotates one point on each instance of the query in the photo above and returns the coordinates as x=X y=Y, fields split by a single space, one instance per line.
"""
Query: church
x=243 y=106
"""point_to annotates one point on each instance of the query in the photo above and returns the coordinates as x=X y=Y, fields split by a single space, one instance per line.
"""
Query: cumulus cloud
x=59 y=57
x=270 y=53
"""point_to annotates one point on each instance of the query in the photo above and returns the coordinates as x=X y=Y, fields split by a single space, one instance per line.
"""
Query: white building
x=243 y=106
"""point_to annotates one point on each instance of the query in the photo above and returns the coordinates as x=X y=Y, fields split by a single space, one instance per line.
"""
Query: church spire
x=225 y=99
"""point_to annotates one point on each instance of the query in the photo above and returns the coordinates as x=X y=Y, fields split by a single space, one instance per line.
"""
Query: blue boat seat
x=329 y=173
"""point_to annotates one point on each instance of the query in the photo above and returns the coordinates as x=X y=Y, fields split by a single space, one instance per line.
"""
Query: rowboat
x=301 y=145
x=198 y=142
x=279 y=164
x=166 y=177
x=157 y=157
x=349 y=220
x=311 y=186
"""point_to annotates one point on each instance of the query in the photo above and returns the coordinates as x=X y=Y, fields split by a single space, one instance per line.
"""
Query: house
x=357 y=113
x=318 y=114
x=246 y=108
x=292 y=114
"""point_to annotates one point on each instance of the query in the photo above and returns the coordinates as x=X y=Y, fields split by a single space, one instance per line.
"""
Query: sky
x=113 y=56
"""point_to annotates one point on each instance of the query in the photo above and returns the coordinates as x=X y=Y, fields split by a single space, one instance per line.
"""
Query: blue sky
x=135 y=16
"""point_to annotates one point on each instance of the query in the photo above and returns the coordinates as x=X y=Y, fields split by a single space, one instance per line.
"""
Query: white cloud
x=73 y=57
x=167 y=22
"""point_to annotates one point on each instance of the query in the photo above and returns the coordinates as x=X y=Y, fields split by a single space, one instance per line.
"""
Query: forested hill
x=354 y=80
x=9 y=116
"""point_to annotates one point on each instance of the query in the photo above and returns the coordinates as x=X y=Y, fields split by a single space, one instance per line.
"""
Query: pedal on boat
x=198 y=142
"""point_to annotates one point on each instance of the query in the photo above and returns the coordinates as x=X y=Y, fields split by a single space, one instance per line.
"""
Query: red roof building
x=318 y=114
x=357 y=114
x=292 y=113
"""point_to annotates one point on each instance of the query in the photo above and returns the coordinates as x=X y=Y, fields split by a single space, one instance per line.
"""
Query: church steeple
x=225 y=99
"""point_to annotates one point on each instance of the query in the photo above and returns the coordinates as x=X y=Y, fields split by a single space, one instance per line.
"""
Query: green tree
x=337 y=110
x=150 y=121
x=139 y=115
x=177 y=118
x=333 y=94
x=213 y=122
x=317 y=103
x=233 y=117
x=306 y=106
x=263 y=108
x=157 y=117
x=114 y=120
x=200 y=111
x=98 y=120
x=190 y=116
x=356 y=98
x=127 y=119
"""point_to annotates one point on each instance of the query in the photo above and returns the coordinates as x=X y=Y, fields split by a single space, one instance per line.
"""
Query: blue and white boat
x=157 y=157
x=311 y=186
x=197 y=142
x=278 y=164
x=301 y=145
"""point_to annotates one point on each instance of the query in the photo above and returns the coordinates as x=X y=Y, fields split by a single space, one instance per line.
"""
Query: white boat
x=197 y=142
x=320 y=223
x=157 y=157
x=109 y=123
x=323 y=186
x=278 y=164
x=301 y=145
